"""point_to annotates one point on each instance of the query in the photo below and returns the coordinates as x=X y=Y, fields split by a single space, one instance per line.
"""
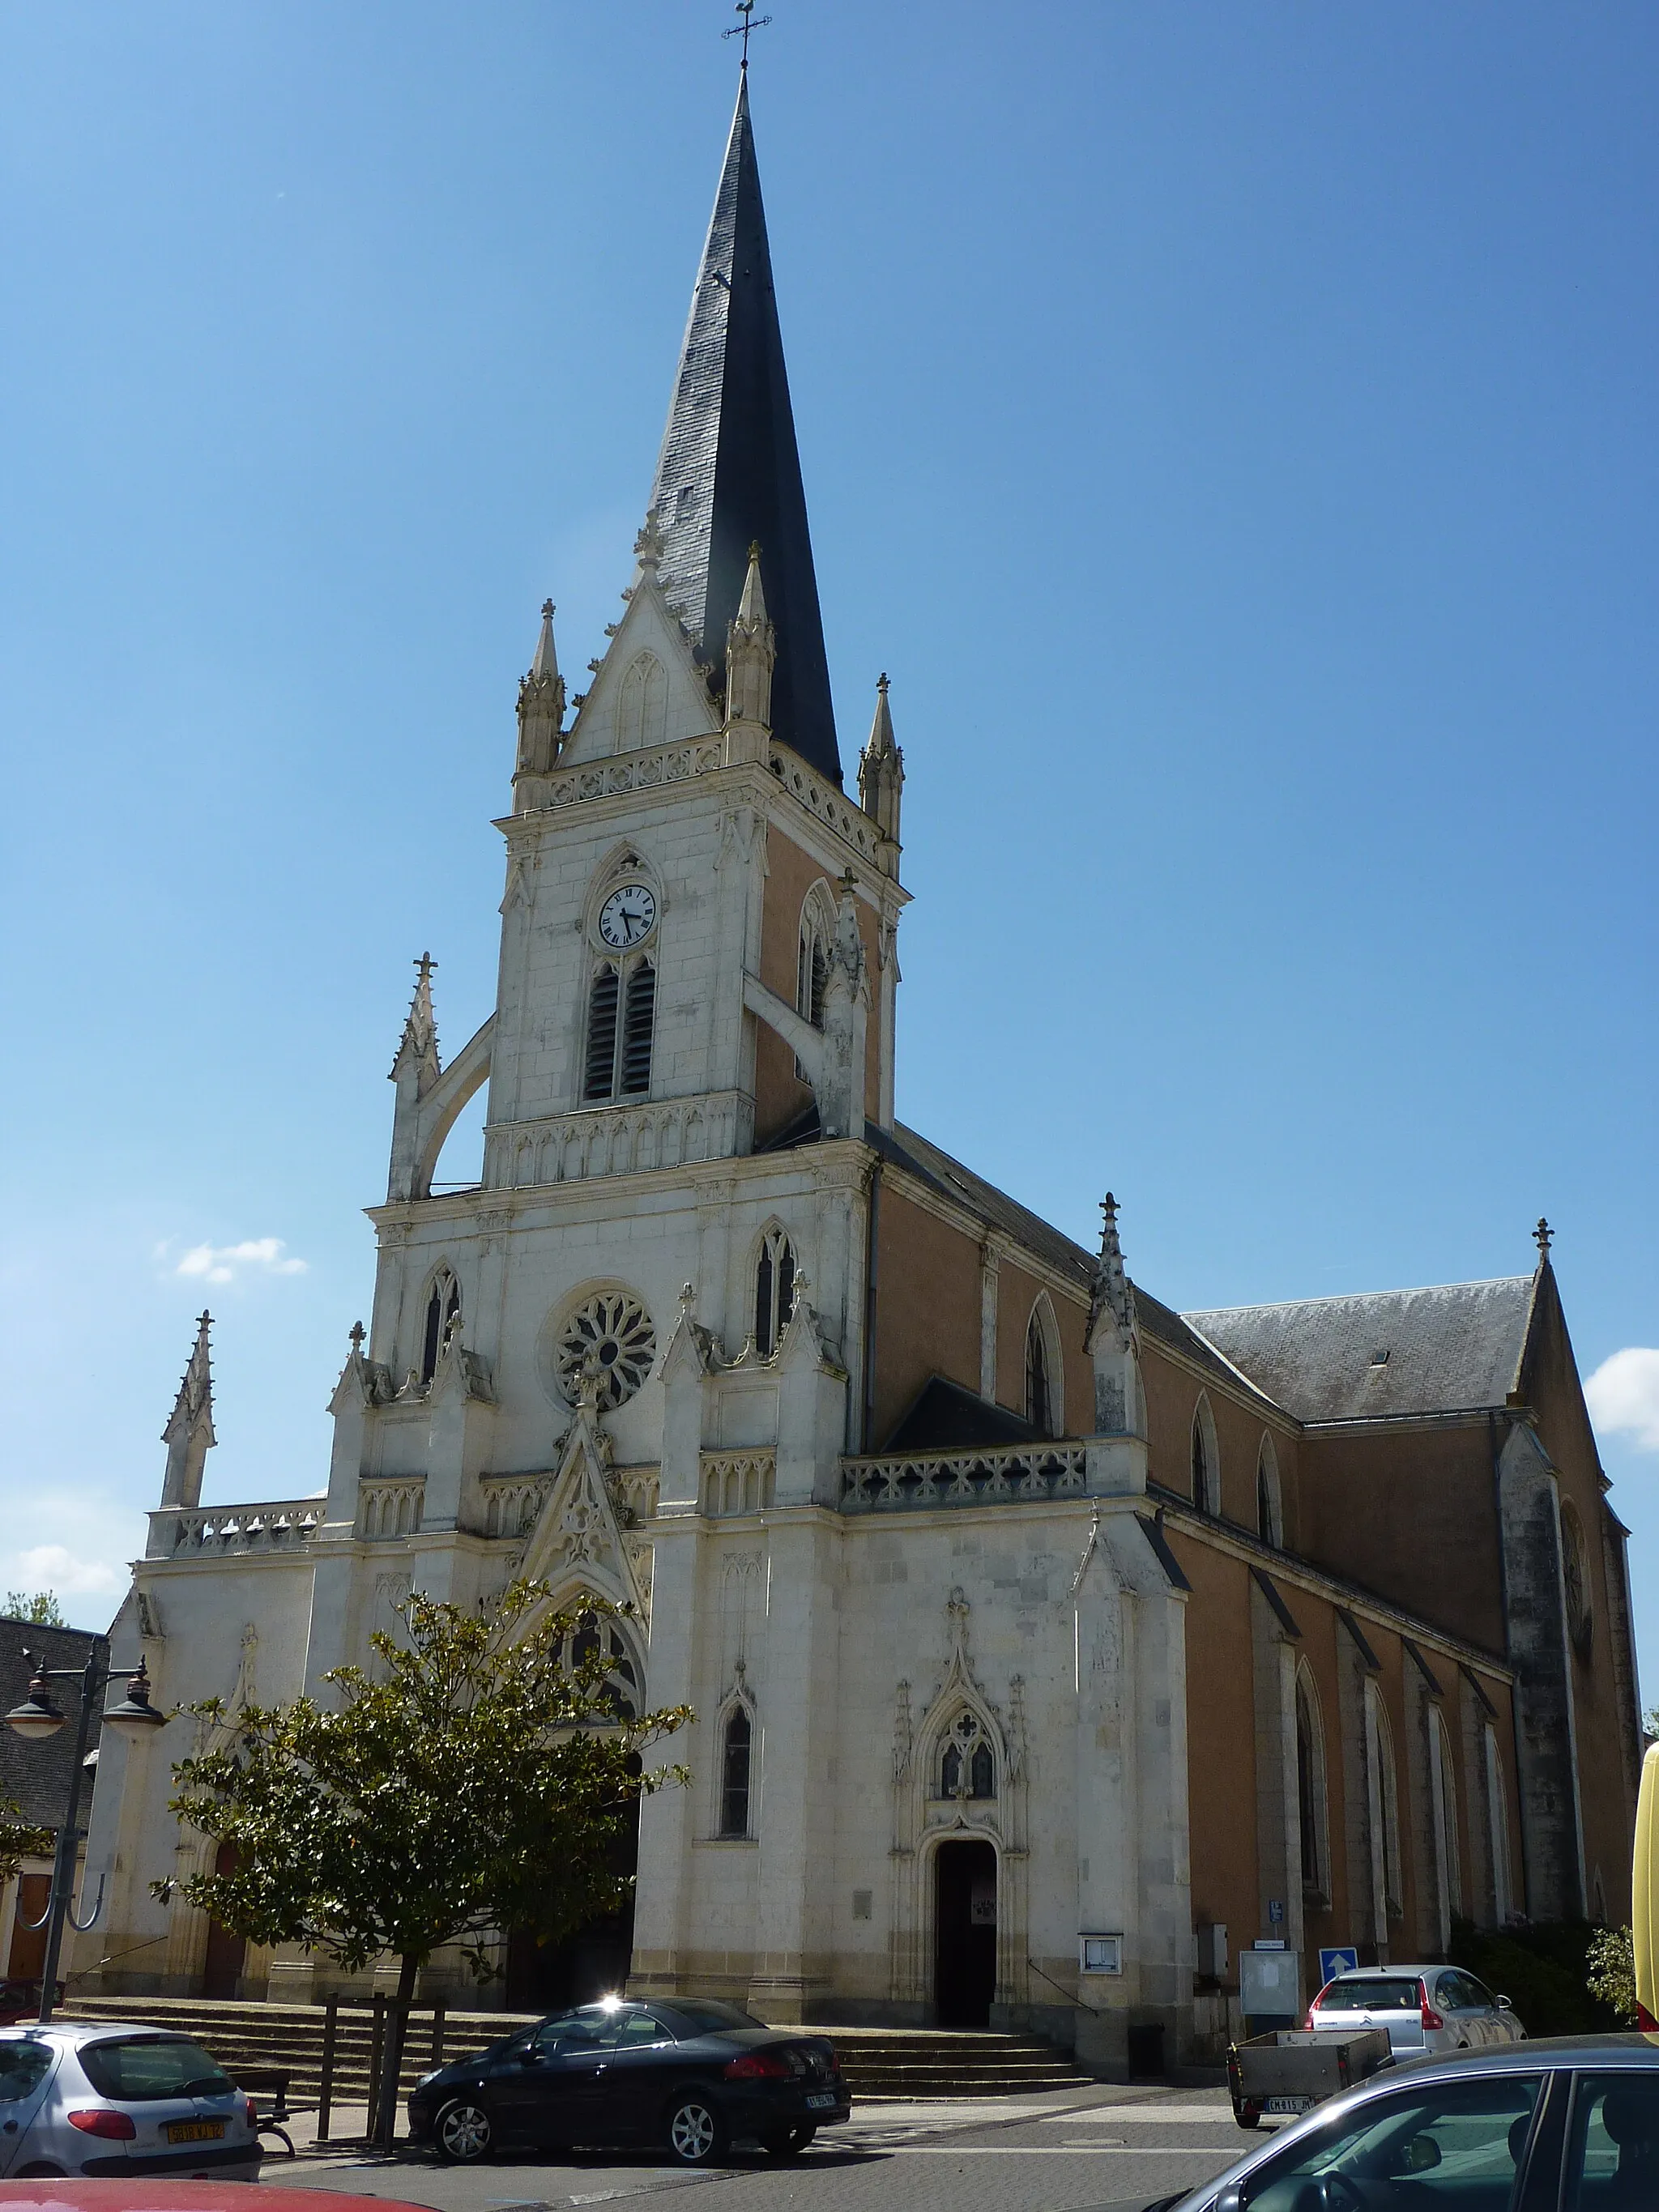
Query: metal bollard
x=325 y=2090
x=377 y=2045
x=437 y=2035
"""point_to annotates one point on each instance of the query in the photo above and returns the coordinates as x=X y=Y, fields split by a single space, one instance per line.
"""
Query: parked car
x=692 y=2074
x=109 y=2097
x=1572 y=2120
x=1423 y=2008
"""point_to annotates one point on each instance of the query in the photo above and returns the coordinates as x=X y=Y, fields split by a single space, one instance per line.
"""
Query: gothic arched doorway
x=589 y=1962
x=964 y=1934
x=226 y=1954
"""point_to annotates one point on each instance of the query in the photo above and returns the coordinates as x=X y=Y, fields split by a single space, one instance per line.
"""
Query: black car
x=693 y=2074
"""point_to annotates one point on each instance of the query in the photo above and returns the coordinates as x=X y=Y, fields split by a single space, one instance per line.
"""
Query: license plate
x=1288 y=2105
x=195 y=2131
x=822 y=2103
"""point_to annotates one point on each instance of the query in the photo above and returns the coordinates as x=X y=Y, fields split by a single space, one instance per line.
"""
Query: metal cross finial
x=1543 y=1236
x=751 y=22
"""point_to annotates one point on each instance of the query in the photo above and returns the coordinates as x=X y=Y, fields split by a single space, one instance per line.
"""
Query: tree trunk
x=386 y=2104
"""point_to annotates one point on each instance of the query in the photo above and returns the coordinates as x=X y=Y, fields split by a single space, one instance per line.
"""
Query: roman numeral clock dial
x=628 y=916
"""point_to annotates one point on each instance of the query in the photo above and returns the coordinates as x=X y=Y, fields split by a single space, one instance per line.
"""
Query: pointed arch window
x=593 y=1642
x=737 y=1760
x=1039 y=1381
x=1269 y=1498
x=967 y=1766
x=775 y=1291
x=1310 y=1800
x=1387 y=1802
x=1445 y=1812
x=811 y=971
x=1206 y=1461
x=442 y=1320
x=622 y=1012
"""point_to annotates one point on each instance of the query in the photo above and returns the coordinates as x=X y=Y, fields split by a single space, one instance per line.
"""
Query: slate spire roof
x=729 y=471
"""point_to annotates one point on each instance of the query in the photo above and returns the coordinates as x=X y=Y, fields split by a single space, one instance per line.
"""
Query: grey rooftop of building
x=1381 y=1355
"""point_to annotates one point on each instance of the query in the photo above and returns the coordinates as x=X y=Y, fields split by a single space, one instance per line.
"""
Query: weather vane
x=750 y=21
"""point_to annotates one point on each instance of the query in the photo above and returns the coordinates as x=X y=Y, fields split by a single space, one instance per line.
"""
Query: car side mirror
x=1231 y=2199
x=530 y=2057
x=1507 y=2006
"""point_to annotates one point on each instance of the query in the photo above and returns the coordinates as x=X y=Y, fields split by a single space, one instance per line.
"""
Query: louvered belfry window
x=637 y=1028
x=621 y=1013
x=1039 y=1396
x=601 y=1078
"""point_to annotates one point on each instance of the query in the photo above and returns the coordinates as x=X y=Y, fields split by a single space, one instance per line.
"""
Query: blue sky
x=1234 y=429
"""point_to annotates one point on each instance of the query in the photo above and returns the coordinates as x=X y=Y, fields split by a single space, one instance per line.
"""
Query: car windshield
x=138 y=2069
x=1459 y=2145
x=710 y=2017
x=1373 y=1993
x=24 y=2065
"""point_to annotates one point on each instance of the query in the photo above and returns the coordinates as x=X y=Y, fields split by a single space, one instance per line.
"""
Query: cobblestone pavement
x=1068 y=2151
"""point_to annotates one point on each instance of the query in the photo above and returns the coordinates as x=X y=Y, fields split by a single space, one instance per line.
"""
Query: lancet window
x=1206 y=1461
x=596 y=1640
x=737 y=1756
x=967 y=1766
x=443 y=1319
x=811 y=972
x=1269 y=1506
x=1039 y=1385
x=775 y=1290
x=1310 y=1803
x=622 y=1011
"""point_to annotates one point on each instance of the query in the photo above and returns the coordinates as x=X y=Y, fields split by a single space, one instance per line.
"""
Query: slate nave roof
x=1454 y=1347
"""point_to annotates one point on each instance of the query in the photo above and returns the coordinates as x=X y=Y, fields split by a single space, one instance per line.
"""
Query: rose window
x=609 y=1338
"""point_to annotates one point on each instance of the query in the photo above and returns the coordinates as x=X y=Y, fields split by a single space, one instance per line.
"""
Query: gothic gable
x=648 y=690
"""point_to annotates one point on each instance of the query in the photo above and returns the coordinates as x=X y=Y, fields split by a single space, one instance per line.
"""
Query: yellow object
x=1644 y=1892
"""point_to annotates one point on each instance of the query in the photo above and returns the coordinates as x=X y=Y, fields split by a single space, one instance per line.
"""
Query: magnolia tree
x=19 y=1840
x=470 y=1781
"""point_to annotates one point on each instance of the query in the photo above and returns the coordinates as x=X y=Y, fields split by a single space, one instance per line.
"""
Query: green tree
x=1611 y=1958
x=471 y=1783
x=42 y=1610
x=19 y=1840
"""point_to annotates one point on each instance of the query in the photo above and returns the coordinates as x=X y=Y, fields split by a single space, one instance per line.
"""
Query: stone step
x=884 y=2063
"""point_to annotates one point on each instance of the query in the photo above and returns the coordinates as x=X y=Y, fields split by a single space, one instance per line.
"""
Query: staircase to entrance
x=879 y=2063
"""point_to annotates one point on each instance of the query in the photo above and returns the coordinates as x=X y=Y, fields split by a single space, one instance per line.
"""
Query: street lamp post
x=36 y=1719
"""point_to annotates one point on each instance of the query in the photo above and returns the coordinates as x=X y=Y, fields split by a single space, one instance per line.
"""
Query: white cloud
x=1623 y=1395
x=221 y=1263
x=50 y=1566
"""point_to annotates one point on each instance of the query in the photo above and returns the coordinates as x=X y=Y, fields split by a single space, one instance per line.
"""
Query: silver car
x=106 y=2097
x=1569 y=2121
x=1423 y=2008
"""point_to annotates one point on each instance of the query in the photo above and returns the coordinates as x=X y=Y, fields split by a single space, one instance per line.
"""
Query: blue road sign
x=1336 y=1962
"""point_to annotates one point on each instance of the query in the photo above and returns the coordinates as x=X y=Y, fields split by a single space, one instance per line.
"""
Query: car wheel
x=1248 y=2119
x=462 y=2133
x=697 y=2133
x=789 y=2142
x=41 y=2171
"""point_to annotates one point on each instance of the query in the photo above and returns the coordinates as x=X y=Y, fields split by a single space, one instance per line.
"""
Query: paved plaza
x=1066 y=2151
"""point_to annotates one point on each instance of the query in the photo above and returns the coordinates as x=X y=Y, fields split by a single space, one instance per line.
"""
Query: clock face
x=628 y=916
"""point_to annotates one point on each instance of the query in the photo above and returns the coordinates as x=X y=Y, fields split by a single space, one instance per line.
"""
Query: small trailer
x=1287 y=2073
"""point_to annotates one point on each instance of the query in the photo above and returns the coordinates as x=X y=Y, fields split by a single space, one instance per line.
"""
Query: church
x=1050 y=1649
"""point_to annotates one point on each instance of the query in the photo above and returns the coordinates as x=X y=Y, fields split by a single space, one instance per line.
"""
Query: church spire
x=417 y=1049
x=729 y=470
x=189 y=1430
x=750 y=653
x=881 y=770
x=541 y=705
